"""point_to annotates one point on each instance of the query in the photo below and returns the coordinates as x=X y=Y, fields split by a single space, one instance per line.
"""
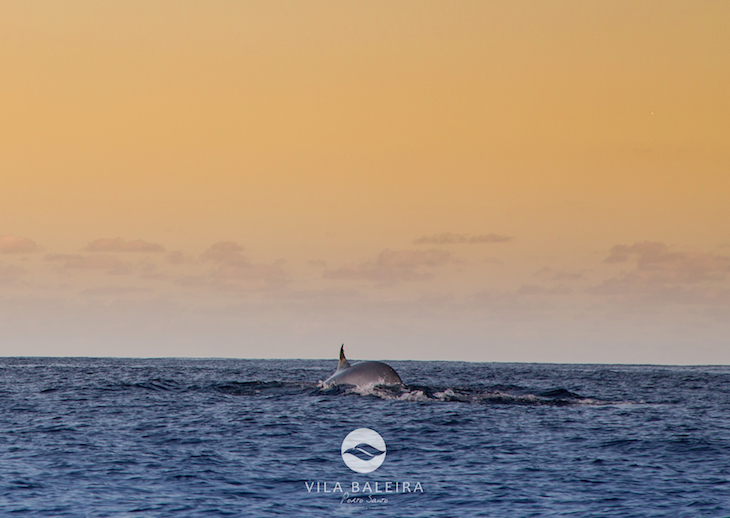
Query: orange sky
x=488 y=181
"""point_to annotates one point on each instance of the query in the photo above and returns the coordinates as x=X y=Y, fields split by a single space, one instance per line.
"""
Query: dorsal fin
x=343 y=361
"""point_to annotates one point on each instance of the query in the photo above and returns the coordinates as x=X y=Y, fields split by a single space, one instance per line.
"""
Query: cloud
x=393 y=266
x=223 y=252
x=624 y=290
x=489 y=238
x=16 y=245
x=192 y=281
x=235 y=272
x=508 y=305
x=661 y=276
x=91 y=262
x=622 y=253
x=249 y=277
x=9 y=274
x=655 y=263
x=113 y=291
x=449 y=238
x=531 y=289
x=120 y=245
x=560 y=275
x=567 y=276
x=152 y=271
x=336 y=296
x=177 y=257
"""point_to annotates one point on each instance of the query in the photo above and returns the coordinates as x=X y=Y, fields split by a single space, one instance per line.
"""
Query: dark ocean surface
x=190 y=437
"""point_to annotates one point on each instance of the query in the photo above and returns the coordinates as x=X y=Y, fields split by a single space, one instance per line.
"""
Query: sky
x=473 y=181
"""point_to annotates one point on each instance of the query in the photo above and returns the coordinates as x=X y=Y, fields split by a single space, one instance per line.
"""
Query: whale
x=362 y=375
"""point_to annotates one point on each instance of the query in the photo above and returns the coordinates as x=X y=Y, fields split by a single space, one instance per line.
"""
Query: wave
x=553 y=397
x=496 y=395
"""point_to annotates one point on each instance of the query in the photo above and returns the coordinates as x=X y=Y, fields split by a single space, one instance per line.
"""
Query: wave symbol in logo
x=363 y=450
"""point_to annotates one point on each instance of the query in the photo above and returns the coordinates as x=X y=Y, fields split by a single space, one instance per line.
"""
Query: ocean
x=94 y=437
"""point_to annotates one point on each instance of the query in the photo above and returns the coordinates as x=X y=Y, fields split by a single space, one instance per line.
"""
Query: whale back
x=366 y=374
x=363 y=374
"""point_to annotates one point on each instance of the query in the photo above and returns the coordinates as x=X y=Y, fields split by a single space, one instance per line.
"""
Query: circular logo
x=363 y=450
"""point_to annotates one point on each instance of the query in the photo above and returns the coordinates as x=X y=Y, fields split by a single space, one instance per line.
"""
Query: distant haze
x=480 y=181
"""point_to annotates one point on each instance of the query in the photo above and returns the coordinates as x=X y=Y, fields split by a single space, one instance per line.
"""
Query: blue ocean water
x=191 y=437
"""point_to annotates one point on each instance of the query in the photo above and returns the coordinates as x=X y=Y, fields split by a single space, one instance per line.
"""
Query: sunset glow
x=476 y=181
